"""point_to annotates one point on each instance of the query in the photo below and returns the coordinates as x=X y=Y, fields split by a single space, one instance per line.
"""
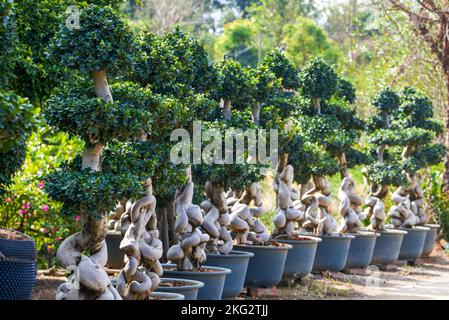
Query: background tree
x=430 y=21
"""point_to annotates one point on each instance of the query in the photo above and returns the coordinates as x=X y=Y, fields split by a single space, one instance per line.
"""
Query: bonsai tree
x=277 y=62
x=103 y=116
x=386 y=170
x=331 y=123
x=417 y=133
x=178 y=69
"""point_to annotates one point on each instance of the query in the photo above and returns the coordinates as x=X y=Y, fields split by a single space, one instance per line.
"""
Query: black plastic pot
x=361 y=249
x=17 y=268
x=431 y=237
x=300 y=257
x=413 y=243
x=237 y=262
x=332 y=252
x=116 y=257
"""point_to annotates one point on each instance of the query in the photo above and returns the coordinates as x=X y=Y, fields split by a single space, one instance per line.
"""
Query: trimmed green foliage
x=102 y=42
x=318 y=80
x=16 y=123
x=283 y=69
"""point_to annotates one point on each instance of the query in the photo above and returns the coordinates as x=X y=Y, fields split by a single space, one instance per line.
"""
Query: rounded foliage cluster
x=103 y=41
x=318 y=80
x=278 y=63
x=78 y=111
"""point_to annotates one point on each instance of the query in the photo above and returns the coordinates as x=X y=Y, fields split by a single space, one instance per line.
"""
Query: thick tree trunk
x=101 y=85
x=227 y=114
x=92 y=157
x=256 y=113
x=166 y=217
x=343 y=166
x=317 y=104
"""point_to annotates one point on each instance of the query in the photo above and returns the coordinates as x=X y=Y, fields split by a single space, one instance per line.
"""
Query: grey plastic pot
x=213 y=280
x=332 y=252
x=265 y=269
x=388 y=245
x=237 y=262
x=166 y=296
x=300 y=257
x=361 y=249
x=413 y=243
x=431 y=237
x=116 y=257
x=189 y=290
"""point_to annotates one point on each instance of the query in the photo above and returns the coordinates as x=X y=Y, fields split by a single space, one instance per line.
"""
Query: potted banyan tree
x=417 y=131
x=292 y=152
x=384 y=171
x=111 y=119
x=318 y=121
x=17 y=251
x=243 y=198
x=349 y=154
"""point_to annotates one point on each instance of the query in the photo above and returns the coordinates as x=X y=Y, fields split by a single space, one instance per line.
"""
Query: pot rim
x=194 y=283
x=219 y=271
x=114 y=233
x=311 y=239
x=232 y=254
x=168 y=295
x=28 y=238
x=365 y=233
x=241 y=246
x=341 y=236
x=432 y=225
x=414 y=228
x=393 y=231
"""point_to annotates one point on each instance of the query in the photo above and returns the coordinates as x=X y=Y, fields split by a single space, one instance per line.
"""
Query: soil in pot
x=332 y=252
x=301 y=256
x=212 y=277
x=17 y=265
x=188 y=288
x=265 y=269
x=237 y=262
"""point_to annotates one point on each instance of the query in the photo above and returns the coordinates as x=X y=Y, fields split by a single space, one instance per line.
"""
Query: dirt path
x=428 y=279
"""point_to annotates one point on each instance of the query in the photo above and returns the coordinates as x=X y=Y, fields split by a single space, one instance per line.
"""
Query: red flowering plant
x=27 y=208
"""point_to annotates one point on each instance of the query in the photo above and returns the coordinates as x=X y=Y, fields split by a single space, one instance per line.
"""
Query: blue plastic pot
x=431 y=237
x=237 y=262
x=332 y=252
x=166 y=296
x=388 y=245
x=361 y=249
x=213 y=280
x=189 y=289
x=300 y=257
x=17 y=269
x=413 y=243
x=116 y=257
x=265 y=269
